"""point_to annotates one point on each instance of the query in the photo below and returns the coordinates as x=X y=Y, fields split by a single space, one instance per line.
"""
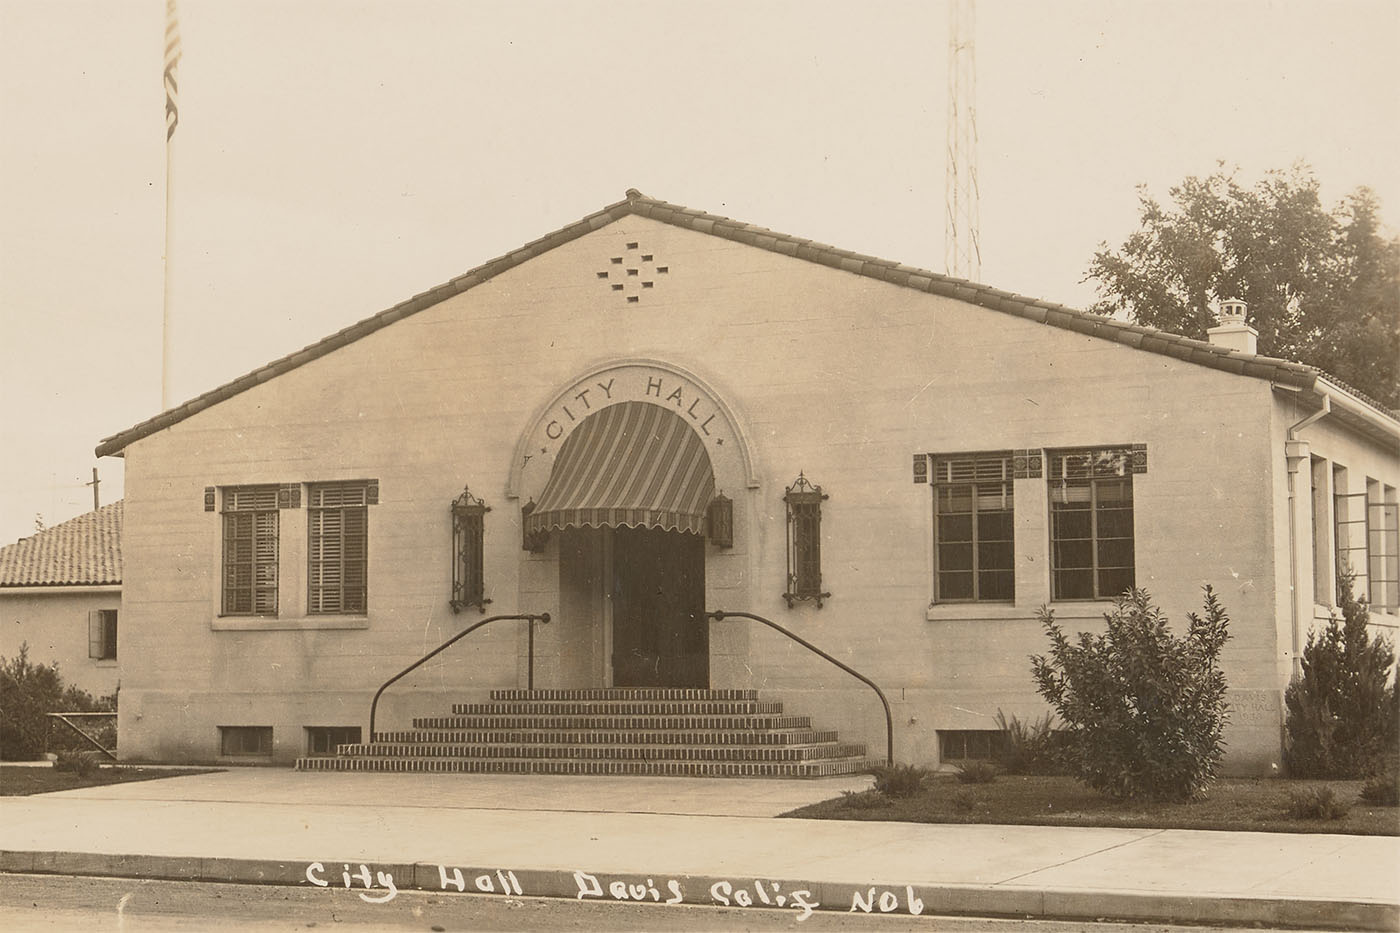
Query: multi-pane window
x=102 y=634
x=338 y=547
x=1091 y=522
x=1384 y=551
x=970 y=744
x=323 y=741
x=245 y=741
x=250 y=551
x=973 y=526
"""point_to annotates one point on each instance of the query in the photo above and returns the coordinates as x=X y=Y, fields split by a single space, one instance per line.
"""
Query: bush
x=1341 y=717
x=977 y=772
x=1383 y=790
x=899 y=780
x=28 y=693
x=863 y=800
x=1316 y=803
x=963 y=802
x=83 y=764
x=1144 y=711
x=1029 y=748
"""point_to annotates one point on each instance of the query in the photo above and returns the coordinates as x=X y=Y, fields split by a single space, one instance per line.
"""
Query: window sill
x=1006 y=612
x=296 y=624
x=104 y=662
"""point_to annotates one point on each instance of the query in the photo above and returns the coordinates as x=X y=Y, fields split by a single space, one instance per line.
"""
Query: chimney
x=1232 y=332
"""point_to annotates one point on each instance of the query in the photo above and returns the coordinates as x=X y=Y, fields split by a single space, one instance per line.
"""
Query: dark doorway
x=660 y=635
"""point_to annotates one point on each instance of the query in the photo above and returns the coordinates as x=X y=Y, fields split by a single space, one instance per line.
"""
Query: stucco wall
x=838 y=376
x=54 y=624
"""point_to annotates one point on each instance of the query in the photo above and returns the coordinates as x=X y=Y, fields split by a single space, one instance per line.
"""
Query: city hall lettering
x=659 y=388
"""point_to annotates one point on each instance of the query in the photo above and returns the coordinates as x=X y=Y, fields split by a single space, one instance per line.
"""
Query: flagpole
x=172 y=119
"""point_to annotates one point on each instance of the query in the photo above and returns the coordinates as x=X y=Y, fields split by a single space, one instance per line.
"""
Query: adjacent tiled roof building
x=84 y=551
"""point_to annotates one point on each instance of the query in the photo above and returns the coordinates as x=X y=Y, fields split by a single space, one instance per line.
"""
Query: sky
x=335 y=157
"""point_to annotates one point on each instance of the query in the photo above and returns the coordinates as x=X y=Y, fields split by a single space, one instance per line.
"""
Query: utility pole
x=962 y=249
x=96 y=503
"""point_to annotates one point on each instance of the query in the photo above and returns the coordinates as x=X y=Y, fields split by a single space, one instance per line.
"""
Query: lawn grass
x=1240 y=804
x=22 y=782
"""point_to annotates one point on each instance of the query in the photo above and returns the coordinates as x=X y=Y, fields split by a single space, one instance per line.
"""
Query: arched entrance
x=627 y=497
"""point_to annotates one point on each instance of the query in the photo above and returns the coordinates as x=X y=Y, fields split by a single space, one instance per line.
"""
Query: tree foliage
x=1341 y=716
x=28 y=693
x=1323 y=286
x=1143 y=710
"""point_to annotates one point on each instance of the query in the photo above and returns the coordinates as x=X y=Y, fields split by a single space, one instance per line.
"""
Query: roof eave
x=1283 y=372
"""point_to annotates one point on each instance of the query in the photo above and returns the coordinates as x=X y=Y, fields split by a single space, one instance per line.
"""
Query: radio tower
x=962 y=251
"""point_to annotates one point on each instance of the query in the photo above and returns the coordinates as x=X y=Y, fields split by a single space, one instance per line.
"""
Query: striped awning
x=633 y=464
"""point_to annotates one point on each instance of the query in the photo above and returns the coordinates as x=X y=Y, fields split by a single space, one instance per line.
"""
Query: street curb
x=801 y=896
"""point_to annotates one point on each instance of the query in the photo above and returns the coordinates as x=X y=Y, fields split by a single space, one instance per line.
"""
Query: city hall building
x=654 y=414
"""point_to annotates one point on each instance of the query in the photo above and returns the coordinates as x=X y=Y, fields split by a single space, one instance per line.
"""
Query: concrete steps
x=620 y=731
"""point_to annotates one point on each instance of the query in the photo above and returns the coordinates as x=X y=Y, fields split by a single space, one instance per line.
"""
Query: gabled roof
x=1285 y=372
x=83 y=551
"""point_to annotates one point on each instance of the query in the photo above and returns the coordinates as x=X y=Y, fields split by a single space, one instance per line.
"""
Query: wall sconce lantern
x=720 y=519
x=804 y=540
x=468 y=552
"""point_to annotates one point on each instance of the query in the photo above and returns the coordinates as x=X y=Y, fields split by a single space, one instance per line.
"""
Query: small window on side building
x=102 y=634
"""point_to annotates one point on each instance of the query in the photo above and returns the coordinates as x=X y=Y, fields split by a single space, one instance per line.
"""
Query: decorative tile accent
x=209 y=498
x=371 y=492
x=1026 y=464
x=289 y=496
x=921 y=468
x=1139 y=458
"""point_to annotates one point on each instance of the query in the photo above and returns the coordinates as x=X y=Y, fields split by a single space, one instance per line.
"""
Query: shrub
x=1341 y=717
x=1383 y=790
x=83 y=764
x=899 y=780
x=977 y=772
x=863 y=800
x=963 y=802
x=28 y=693
x=1144 y=711
x=1029 y=748
x=1316 y=803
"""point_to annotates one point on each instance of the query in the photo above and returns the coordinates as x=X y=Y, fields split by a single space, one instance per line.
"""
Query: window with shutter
x=1091 y=521
x=102 y=634
x=974 y=527
x=338 y=548
x=250 y=551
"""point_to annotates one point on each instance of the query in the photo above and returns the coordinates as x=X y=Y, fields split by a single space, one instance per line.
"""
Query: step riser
x=605 y=752
x=617 y=708
x=624 y=693
x=574 y=737
x=668 y=723
x=829 y=768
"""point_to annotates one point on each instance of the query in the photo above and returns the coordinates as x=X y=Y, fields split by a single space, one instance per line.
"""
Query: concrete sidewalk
x=680 y=840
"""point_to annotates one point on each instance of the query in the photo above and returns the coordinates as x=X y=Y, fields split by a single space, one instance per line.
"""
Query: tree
x=1143 y=710
x=1341 y=717
x=28 y=693
x=1323 y=287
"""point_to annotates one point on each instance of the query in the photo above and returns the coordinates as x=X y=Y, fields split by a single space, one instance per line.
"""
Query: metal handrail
x=63 y=718
x=524 y=617
x=719 y=615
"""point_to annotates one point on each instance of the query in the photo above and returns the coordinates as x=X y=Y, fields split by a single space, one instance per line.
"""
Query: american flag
x=172 y=58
